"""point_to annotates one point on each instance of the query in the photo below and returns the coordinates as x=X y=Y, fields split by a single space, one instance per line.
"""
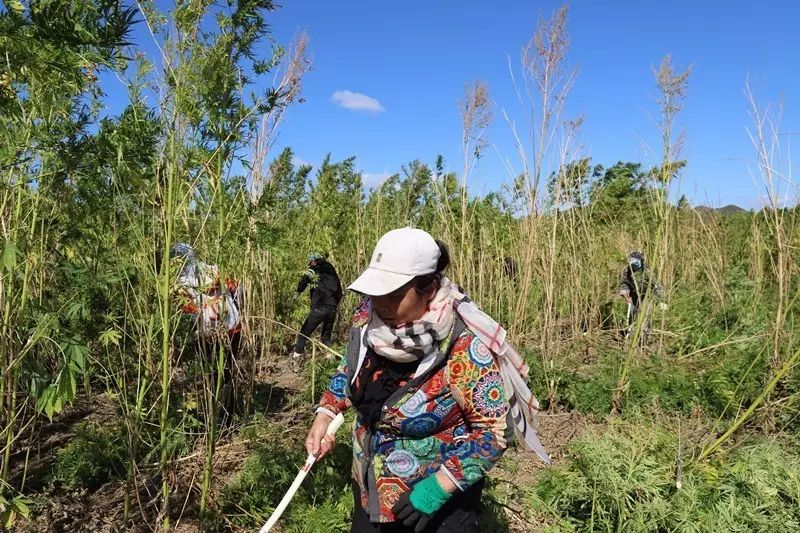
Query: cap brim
x=374 y=282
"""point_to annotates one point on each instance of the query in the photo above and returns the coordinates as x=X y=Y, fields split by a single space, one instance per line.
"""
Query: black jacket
x=638 y=284
x=326 y=289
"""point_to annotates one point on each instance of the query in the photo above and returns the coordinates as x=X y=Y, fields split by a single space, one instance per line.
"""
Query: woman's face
x=406 y=304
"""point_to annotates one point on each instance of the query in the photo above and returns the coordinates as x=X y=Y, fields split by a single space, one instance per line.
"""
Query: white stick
x=276 y=514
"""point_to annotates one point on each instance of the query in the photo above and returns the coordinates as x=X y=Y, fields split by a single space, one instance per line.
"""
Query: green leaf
x=67 y=385
x=110 y=336
x=21 y=503
x=45 y=402
x=76 y=354
x=9 y=258
x=77 y=309
x=73 y=387
x=16 y=6
x=58 y=394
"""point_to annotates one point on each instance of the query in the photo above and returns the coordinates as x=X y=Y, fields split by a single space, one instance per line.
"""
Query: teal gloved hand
x=428 y=495
x=417 y=507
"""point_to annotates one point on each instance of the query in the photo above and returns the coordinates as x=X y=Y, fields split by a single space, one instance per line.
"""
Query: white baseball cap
x=400 y=256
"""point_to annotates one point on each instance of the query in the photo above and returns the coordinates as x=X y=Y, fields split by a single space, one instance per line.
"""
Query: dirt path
x=102 y=510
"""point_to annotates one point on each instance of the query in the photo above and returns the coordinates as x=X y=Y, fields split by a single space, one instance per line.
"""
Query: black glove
x=409 y=515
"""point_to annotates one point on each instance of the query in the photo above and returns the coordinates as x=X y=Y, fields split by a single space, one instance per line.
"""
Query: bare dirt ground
x=520 y=469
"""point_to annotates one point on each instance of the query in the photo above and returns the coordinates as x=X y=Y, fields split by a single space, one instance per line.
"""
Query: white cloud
x=372 y=181
x=298 y=162
x=356 y=102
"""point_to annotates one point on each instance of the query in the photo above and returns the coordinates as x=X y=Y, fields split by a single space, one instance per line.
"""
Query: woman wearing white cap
x=433 y=382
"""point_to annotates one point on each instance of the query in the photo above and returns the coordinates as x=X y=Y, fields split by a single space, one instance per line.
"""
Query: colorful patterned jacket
x=450 y=418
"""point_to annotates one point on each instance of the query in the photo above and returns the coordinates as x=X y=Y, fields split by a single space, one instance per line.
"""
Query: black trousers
x=458 y=515
x=320 y=315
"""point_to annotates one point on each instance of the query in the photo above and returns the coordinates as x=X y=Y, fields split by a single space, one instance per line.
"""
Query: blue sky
x=414 y=59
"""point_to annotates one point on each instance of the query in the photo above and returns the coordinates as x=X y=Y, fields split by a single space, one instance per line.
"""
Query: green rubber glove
x=416 y=508
x=428 y=495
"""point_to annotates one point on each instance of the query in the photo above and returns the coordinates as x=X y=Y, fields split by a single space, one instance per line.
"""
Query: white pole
x=276 y=514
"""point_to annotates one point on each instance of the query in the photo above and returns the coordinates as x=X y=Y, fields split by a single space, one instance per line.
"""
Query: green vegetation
x=625 y=480
x=324 y=503
x=92 y=457
x=91 y=200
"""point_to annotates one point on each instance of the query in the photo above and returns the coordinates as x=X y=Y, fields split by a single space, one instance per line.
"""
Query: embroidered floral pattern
x=402 y=463
x=489 y=396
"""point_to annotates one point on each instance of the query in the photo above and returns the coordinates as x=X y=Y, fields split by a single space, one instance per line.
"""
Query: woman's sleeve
x=476 y=383
x=334 y=400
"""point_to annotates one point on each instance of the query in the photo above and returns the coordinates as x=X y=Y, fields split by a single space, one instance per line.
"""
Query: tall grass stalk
x=545 y=82
x=673 y=88
x=780 y=225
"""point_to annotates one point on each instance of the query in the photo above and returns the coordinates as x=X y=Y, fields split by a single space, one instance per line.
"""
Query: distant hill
x=729 y=209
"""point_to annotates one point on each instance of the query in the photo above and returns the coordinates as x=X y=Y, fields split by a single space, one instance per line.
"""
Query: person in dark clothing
x=510 y=268
x=635 y=283
x=326 y=292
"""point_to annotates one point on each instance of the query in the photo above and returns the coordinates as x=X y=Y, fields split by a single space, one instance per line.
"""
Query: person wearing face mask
x=434 y=385
x=635 y=283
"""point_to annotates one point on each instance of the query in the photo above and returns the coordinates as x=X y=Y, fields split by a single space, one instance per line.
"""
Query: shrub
x=95 y=455
x=624 y=480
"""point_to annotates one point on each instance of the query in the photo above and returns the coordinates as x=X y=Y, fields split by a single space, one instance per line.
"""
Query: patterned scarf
x=419 y=340
x=414 y=341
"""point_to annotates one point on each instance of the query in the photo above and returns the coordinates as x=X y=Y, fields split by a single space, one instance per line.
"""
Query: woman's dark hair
x=425 y=282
